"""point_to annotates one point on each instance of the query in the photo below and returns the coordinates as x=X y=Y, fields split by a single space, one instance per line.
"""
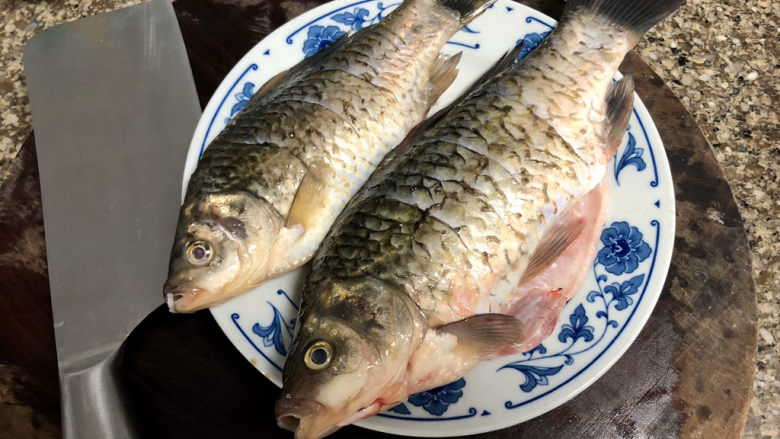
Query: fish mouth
x=289 y=411
x=310 y=419
x=289 y=421
x=184 y=299
x=304 y=417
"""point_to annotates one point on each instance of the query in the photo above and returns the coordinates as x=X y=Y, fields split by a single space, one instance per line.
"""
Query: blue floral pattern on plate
x=577 y=328
x=534 y=375
x=437 y=400
x=631 y=156
x=530 y=42
x=320 y=37
x=273 y=335
x=261 y=323
x=577 y=335
x=360 y=17
x=242 y=98
x=355 y=19
x=623 y=248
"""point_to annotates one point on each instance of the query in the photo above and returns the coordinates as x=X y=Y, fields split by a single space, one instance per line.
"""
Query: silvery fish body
x=270 y=185
x=467 y=242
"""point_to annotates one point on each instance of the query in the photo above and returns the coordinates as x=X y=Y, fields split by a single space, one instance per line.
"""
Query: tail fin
x=635 y=16
x=468 y=9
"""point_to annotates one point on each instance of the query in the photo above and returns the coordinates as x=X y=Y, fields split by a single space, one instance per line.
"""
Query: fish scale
x=519 y=132
x=382 y=58
x=330 y=139
x=471 y=236
x=350 y=104
x=270 y=184
x=287 y=171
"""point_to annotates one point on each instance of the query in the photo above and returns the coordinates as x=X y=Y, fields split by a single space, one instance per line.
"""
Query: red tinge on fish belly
x=531 y=312
x=538 y=301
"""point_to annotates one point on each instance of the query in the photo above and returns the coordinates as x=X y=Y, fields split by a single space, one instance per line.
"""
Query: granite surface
x=720 y=58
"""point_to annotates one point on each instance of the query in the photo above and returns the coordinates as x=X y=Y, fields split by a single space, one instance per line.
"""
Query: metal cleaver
x=114 y=107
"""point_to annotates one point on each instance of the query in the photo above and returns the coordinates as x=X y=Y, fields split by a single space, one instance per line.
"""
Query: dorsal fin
x=502 y=64
x=620 y=101
x=295 y=71
x=443 y=73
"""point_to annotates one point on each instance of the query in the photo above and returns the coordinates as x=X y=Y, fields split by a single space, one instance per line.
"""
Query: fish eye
x=199 y=253
x=318 y=355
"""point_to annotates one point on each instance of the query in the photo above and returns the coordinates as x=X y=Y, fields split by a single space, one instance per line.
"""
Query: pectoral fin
x=308 y=199
x=487 y=335
x=450 y=351
x=554 y=243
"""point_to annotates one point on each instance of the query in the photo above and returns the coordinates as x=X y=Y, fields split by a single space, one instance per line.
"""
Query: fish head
x=220 y=250
x=349 y=357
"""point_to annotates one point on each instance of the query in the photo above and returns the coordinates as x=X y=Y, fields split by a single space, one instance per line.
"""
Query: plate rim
x=603 y=362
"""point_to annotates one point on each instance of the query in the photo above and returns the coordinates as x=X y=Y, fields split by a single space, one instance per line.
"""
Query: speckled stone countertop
x=719 y=57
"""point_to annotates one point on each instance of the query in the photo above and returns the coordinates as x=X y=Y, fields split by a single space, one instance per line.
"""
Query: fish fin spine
x=468 y=9
x=620 y=103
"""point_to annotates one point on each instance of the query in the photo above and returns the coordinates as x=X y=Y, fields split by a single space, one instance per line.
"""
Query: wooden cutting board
x=688 y=374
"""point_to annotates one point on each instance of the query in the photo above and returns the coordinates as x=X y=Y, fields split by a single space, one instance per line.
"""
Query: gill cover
x=349 y=358
x=220 y=250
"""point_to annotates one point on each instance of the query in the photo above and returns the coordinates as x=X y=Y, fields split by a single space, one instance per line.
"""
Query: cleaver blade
x=114 y=107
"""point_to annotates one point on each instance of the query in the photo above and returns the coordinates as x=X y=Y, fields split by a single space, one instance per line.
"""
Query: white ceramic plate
x=594 y=328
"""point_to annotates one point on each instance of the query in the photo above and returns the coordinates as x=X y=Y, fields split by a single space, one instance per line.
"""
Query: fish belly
x=538 y=301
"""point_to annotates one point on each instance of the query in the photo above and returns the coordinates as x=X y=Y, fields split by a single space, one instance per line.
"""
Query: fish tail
x=634 y=16
x=468 y=9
